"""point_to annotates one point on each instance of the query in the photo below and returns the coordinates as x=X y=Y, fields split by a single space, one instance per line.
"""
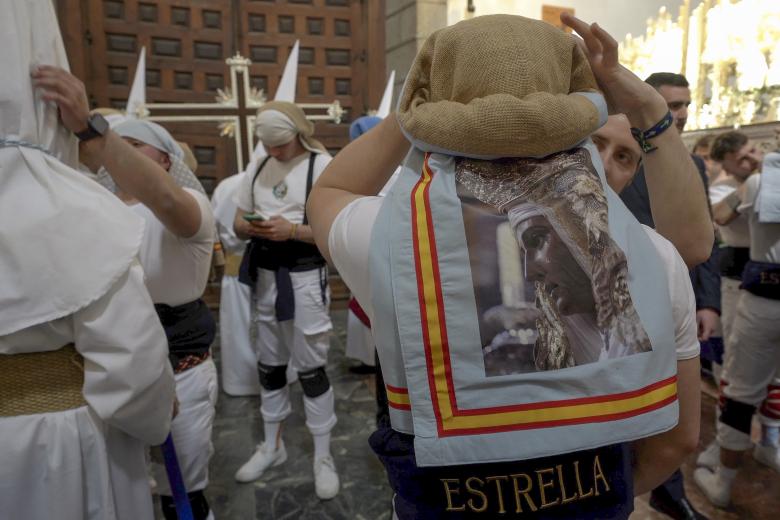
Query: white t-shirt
x=764 y=238
x=280 y=188
x=350 y=239
x=176 y=268
x=736 y=233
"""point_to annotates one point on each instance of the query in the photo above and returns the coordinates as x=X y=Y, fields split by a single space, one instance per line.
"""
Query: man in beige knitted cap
x=532 y=109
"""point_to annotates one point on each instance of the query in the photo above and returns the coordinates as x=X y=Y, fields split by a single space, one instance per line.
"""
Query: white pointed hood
x=387 y=99
x=137 y=98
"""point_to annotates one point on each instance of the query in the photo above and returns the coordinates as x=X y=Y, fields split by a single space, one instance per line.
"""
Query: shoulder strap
x=252 y=186
x=309 y=182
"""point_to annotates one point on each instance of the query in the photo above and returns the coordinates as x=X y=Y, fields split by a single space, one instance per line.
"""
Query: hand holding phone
x=254 y=217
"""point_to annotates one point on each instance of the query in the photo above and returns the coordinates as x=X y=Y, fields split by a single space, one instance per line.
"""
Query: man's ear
x=165 y=162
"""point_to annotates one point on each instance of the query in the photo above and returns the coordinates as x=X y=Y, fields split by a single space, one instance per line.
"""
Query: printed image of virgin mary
x=557 y=211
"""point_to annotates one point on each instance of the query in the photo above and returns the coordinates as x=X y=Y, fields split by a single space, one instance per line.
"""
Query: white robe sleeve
x=128 y=380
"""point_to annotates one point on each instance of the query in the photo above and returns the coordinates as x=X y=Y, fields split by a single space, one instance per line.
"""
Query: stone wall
x=407 y=24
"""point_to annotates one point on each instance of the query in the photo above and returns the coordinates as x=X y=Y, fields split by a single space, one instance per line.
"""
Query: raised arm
x=360 y=169
x=136 y=174
x=677 y=198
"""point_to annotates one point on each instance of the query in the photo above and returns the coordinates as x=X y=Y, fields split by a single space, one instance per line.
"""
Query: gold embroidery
x=449 y=491
x=598 y=473
x=524 y=492
x=474 y=491
x=564 y=498
x=543 y=485
x=499 y=490
x=581 y=493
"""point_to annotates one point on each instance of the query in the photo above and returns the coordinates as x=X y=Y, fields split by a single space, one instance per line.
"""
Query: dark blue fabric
x=762 y=279
x=712 y=349
x=190 y=328
x=284 y=306
x=180 y=498
x=421 y=495
x=362 y=125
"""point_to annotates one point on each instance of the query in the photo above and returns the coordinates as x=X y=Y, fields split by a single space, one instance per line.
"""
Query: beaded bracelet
x=293 y=230
x=643 y=138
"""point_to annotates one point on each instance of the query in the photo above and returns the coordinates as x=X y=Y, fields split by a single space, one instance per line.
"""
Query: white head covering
x=151 y=134
x=275 y=128
x=64 y=240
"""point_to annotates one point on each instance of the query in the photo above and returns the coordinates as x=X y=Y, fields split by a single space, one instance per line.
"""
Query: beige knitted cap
x=499 y=86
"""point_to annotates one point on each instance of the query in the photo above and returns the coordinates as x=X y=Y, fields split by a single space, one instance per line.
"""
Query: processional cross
x=235 y=110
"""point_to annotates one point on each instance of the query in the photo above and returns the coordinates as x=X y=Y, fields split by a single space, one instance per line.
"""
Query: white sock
x=273 y=433
x=321 y=445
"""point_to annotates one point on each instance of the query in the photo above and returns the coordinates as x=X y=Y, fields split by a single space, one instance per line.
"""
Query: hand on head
x=624 y=92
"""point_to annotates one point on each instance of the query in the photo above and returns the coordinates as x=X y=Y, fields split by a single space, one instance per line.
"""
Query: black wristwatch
x=97 y=126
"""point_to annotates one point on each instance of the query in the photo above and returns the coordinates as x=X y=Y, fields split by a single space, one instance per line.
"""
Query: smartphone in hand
x=254 y=217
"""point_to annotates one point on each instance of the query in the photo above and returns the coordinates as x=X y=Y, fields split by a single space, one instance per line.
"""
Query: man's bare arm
x=657 y=457
x=136 y=174
x=360 y=169
x=677 y=198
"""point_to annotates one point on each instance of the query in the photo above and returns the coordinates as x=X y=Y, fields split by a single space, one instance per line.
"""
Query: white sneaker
x=263 y=458
x=326 y=480
x=768 y=456
x=714 y=488
x=710 y=457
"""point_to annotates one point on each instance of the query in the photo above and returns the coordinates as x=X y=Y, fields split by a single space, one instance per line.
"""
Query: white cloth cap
x=151 y=134
x=275 y=128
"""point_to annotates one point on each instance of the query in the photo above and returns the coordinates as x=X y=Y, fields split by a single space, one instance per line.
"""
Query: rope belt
x=7 y=142
x=41 y=382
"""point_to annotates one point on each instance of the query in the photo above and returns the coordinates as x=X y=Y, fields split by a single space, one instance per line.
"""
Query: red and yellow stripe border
x=398 y=398
x=450 y=419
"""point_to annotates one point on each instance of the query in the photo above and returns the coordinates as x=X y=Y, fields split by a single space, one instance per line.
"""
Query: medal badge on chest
x=280 y=190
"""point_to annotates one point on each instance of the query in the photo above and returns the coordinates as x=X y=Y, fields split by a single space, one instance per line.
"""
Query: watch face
x=99 y=124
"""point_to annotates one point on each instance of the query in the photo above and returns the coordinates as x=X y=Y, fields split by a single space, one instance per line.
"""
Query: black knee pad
x=737 y=415
x=198 y=504
x=314 y=382
x=272 y=378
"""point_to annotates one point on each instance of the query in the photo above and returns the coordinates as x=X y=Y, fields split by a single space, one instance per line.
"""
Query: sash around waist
x=232 y=264
x=190 y=327
x=41 y=382
x=594 y=483
x=291 y=254
x=762 y=279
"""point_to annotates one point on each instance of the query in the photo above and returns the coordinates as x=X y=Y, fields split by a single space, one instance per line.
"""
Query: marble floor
x=287 y=491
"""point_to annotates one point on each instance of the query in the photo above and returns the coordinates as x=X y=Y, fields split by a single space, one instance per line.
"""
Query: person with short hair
x=751 y=369
x=670 y=497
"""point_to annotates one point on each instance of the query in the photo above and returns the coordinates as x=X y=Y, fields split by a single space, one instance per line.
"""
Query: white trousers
x=752 y=367
x=360 y=342
x=239 y=360
x=301 y=343
x=196 y=390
